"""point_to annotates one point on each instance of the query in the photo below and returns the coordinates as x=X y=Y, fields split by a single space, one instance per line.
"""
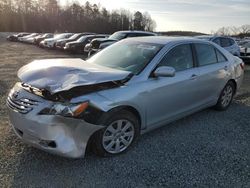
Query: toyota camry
x=129 y=88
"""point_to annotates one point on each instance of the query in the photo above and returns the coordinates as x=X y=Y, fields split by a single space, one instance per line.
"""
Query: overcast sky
x=192 y=15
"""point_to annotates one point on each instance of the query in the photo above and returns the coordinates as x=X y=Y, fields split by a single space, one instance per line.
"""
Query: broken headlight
x=67 y=110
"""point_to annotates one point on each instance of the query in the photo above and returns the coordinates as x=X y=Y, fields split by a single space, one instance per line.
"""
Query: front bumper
x=67 y=137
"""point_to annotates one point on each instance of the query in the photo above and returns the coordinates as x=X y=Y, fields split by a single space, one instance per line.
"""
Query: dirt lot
x=209 y=148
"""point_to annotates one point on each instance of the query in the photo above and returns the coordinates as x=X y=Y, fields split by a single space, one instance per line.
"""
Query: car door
x=170 y=97
x=214 y=72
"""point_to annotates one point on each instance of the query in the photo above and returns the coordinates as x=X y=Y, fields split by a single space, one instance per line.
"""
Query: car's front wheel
x=226 y=96
x=122 y=129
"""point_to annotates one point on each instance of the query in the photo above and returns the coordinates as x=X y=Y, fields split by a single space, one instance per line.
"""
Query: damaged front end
x=52 y=126
x=44 y=116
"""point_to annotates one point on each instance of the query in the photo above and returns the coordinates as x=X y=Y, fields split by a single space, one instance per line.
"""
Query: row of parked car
x=89 y=43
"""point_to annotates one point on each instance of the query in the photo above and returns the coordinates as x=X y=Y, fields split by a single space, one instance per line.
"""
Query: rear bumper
x=59 y=135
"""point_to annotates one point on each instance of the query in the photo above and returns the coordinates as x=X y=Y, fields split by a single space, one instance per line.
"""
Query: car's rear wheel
x=226 y=96
x=122 y=129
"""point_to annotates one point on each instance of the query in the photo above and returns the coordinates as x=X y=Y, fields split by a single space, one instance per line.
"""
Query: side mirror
x=164 y=71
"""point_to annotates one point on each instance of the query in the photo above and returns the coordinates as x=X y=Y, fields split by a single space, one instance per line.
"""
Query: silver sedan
x=129 y=88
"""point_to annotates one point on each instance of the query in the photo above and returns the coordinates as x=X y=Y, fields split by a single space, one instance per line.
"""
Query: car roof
x=135 y=31
x=163 y=39
x=211 y=36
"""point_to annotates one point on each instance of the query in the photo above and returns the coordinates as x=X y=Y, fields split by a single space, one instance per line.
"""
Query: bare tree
x=244 y=29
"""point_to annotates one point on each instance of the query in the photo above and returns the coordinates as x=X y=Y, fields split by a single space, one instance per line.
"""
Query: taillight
x=242 y=65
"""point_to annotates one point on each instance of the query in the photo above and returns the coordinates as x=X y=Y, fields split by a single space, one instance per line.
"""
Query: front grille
x=22 y=105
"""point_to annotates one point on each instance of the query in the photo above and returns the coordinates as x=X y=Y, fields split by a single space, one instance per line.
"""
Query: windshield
x=118 y=36
x=81 y=39
x=31 y=35
x=74 y=36
x=61 y=36
x=130 y=56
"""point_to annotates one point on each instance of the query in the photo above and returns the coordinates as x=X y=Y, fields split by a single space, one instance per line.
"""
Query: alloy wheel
x=118 y=136
x=227 y=95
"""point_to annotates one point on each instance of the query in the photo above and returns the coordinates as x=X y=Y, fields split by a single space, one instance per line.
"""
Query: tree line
x=242 y=31
x=49 y=16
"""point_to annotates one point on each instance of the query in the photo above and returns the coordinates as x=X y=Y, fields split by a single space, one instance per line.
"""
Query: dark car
x=78 y=46
x=15 y=37
x=99 y=44
x=245 y=51
x=40 y=38
x=61 y=43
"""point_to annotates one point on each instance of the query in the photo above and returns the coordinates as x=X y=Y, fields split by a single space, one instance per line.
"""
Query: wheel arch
x=131 y=109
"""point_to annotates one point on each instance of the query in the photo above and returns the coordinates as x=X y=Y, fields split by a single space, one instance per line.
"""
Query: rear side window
x=225 y=42
x=231 y=41
x=205 y=54
x=217 y=41
x=180 y=58
x=220 y=56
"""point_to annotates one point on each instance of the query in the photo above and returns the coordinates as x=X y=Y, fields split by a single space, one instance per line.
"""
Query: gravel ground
x=207 y=149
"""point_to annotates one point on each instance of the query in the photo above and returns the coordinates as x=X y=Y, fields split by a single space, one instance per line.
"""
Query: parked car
x=245 y=52
x=31 y=40
x=40 y=38
x=226 y=42
x=27 y=38
x=99 y=44
x=60 y=44
x=50 y=43
x=15 y=37
x=88 y=46
x=78 y=46
x=129 y=88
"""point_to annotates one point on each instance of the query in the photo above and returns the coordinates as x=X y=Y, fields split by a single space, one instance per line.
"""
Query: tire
x=105 y=142
x=226 y=97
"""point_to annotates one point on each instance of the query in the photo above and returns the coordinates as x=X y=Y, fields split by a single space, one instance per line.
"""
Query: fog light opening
x=52 y=144
x=48 y=143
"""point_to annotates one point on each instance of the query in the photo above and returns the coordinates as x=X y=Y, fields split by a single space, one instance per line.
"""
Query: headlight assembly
x=66 y=110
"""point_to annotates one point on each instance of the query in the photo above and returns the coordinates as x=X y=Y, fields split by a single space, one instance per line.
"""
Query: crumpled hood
x=57 y=75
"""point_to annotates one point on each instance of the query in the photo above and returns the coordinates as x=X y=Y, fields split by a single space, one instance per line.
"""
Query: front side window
x=180 y=58
x=205 y=54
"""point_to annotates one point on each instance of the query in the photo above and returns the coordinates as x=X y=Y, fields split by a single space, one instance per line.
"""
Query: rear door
x=214 y=73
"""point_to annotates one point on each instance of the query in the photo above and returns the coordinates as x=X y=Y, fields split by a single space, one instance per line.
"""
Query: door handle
x=193 y=77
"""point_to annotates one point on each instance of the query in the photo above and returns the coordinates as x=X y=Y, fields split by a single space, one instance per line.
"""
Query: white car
x=28 y=37
x=226 y=42
x=50 y=43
